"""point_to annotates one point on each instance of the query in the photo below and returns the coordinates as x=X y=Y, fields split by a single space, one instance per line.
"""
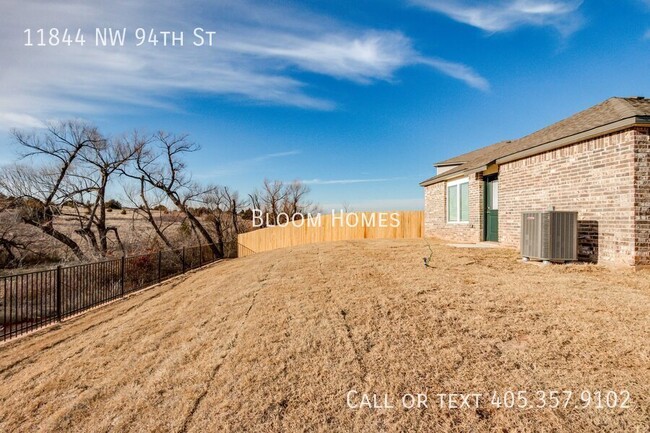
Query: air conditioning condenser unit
x=551 y=236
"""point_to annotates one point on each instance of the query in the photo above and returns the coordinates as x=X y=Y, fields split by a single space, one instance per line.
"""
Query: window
x=458 y=201
x=495 y=195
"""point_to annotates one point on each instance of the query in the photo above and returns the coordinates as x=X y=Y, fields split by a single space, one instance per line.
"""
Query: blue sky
x=357 y=99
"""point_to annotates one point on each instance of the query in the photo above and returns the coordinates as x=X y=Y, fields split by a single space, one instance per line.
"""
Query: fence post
x=183 y=259
x=58 y=293
x=122 y=274
x=159 y=265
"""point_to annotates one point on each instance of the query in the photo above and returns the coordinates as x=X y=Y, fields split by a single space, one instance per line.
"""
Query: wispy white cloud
x=260 y=55
x=460 y=72
x=363 y=57
x=245 y=165
x=647 y=34
x=503 y=15
x=268 y=156
x=20 y=120
x=348 y=181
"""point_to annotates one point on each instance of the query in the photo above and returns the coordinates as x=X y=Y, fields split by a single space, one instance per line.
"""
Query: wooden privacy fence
x=337 y=227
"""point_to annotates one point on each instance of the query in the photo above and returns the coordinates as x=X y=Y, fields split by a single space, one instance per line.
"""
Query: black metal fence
x=36 y=299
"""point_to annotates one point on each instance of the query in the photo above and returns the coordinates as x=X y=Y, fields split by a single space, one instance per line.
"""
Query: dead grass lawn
x=273 y=342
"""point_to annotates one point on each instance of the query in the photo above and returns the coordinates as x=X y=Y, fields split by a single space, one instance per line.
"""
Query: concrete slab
x=478 y=245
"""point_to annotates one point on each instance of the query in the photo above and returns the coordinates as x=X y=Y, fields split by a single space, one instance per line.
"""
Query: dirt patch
x=275 y=341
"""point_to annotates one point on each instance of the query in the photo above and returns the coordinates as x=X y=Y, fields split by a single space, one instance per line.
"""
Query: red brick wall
x=642 y=196
x=594 y=177
x=435 y=216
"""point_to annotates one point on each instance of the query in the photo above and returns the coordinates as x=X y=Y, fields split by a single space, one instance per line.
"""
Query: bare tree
x=103 y=158
x=255 y=199
x=217 y=203
x=268 y=200
x=160 y=164
x=13 y=247
x=295 y=199
x=72 y=165
x=224 y=206
x=42 y=190
x=234 y=205
x=273 y=195
x=149 y=202
x=277 y=198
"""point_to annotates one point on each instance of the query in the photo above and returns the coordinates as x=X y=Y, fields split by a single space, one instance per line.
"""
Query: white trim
x=457 y=181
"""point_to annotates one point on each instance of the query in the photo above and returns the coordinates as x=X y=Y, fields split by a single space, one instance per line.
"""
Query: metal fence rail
x=33 y=300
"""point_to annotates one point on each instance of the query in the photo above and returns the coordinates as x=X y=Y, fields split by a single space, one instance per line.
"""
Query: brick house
x=596 y=162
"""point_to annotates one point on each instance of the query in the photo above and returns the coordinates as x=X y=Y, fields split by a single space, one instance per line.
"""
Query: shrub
x=185 y=228
x=113 y=204
x=246 y=214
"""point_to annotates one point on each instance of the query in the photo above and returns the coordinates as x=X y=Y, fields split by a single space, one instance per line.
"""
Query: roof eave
x=448 y=164
x=443 y=177
x=575 y=138
x=609 y=128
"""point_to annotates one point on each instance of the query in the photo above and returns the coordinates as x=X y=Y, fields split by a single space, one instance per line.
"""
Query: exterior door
x=491 y=209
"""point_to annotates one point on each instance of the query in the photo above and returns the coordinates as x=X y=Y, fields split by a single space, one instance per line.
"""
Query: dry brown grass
x=273 y=342
x=135 y=232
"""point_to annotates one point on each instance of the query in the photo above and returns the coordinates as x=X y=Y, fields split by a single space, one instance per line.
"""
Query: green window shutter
x=464 y=202
x=452 y=203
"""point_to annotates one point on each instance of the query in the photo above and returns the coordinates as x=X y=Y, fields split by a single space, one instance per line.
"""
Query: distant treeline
x=55 y=202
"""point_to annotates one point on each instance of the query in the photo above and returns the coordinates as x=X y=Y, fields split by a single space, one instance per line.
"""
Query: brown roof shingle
x=608 y=112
